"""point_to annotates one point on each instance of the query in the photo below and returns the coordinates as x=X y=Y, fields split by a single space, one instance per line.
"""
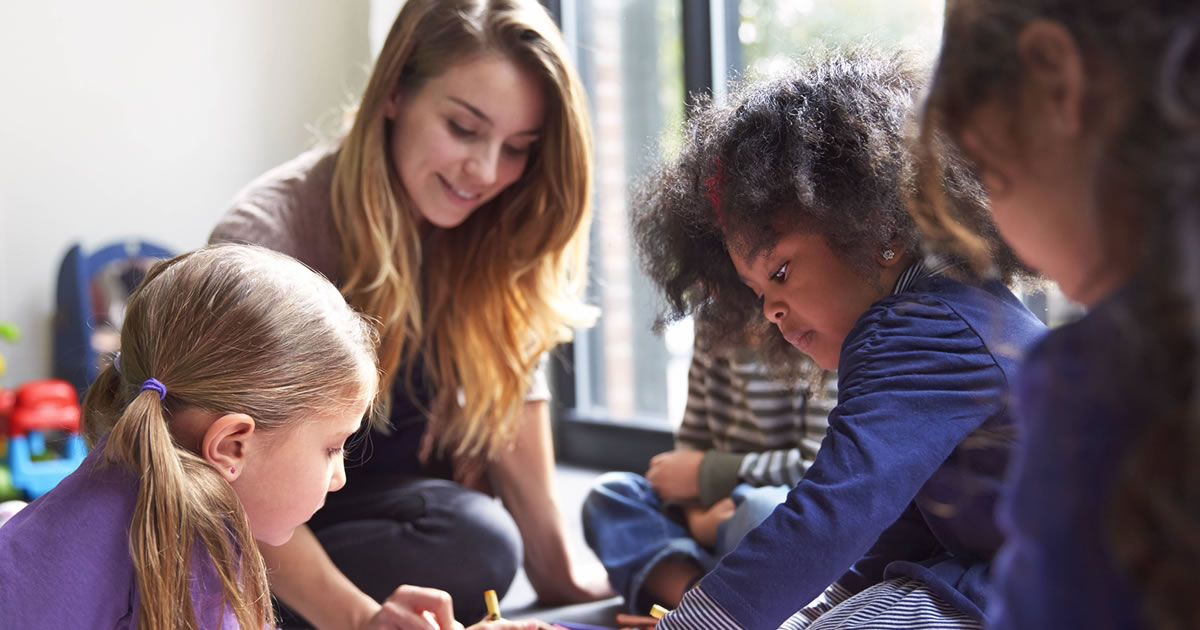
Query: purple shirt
x=65 y=562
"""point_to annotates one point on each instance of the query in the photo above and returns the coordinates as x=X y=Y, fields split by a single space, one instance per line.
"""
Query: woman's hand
x=703 y=523
x=675 y=475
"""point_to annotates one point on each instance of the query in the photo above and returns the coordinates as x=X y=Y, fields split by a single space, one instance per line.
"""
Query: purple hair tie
x=154 y=384
x=117 y=362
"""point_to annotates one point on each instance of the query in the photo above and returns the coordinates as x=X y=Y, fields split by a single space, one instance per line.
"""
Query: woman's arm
x=524 y=480
x=304 y=578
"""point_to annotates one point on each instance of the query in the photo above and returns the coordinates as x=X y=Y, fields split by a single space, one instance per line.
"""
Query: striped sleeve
x=784 y=467
x=694 y=432
x=697 y=611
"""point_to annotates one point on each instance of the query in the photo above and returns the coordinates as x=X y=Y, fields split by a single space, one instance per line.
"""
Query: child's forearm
x=718 y=476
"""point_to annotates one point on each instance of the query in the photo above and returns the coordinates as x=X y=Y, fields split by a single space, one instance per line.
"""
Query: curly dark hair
x=819 y=148
x=1151 y=50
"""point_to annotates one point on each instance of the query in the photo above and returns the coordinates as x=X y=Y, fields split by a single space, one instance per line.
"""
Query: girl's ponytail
x=181 y=498
x=103 y=405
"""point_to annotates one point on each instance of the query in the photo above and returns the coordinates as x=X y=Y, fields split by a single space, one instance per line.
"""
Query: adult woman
x=455 y=211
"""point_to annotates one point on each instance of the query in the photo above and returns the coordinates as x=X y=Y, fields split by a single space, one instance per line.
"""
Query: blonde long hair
x=487 y=298
x=228 y=328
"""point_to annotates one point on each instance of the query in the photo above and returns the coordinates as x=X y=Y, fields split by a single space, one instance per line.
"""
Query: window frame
x=593 y=438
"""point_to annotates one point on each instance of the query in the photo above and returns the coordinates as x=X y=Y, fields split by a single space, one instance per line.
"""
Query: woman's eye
x=460 y=130
x=780 y=273
x=516 y=152
x=334 y=452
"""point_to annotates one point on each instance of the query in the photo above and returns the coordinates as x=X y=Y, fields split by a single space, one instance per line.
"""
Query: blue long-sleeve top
x=897 y=487
x=1077 y=413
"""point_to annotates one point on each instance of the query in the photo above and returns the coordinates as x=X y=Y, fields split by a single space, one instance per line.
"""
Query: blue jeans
x=625 y=524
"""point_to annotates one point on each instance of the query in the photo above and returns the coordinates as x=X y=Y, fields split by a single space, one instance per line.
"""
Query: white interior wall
x=142 y=118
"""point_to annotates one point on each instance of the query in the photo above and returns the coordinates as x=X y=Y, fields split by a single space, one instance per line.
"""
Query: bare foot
x=670 y=579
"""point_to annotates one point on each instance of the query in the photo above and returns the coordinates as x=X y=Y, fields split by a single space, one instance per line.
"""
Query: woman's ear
x=1055 y=81
x=392 y=107
x=225 y=442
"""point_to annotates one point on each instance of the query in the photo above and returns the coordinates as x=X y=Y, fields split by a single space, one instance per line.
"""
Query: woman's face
x=461 y=138
x=811 y=295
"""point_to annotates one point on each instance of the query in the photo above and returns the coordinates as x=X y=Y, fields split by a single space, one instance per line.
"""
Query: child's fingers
x=408 y=604
x=395 y=616
x=725 y=507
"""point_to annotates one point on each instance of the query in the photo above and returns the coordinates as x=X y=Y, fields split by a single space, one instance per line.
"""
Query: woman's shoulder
x=288 y=209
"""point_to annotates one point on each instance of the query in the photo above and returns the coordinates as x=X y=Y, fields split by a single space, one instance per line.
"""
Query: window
x=630 y=56
x=771 y=31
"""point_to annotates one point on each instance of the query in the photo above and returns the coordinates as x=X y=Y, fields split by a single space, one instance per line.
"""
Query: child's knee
x=609 y=493
x=762 y=500
x=616 y=486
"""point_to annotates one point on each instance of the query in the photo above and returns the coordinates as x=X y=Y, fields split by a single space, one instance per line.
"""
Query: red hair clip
x=715 y=183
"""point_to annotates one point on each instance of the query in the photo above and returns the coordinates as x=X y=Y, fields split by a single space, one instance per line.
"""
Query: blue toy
x=92 y=289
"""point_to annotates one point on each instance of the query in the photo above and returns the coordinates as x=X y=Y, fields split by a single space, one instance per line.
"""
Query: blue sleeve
x=915 y=379
x=909 y=538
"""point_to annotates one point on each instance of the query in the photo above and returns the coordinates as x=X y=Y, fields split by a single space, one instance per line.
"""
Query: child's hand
x=703 y=523
x=415 y=608
x=675 y=475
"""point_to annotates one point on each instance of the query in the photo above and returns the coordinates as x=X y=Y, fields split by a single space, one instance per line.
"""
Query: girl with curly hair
x=1083 y=117
x=785 y=209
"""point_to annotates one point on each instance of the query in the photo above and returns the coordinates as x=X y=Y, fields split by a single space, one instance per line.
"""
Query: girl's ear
x=225 y=442
x=1055 y=77
x=890 y=256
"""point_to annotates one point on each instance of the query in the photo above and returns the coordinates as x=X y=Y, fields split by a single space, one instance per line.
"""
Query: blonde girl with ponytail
x=454 y=212
x=211 y=429
x=220 y=426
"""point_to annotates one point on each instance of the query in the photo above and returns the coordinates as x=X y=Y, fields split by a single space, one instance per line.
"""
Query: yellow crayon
x=493 y=605
x=657 y=611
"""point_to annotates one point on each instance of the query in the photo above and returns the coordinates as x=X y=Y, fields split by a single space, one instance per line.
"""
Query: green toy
x=10 y=333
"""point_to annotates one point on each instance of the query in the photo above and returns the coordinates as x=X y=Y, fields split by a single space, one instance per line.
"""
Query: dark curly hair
x=819 y=148
x=1151 y=50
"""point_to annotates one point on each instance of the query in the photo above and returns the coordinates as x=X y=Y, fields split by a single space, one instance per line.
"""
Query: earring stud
x=888 y=254
x=232 y=470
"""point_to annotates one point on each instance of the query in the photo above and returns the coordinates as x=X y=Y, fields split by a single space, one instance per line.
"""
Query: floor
x=520 y=601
